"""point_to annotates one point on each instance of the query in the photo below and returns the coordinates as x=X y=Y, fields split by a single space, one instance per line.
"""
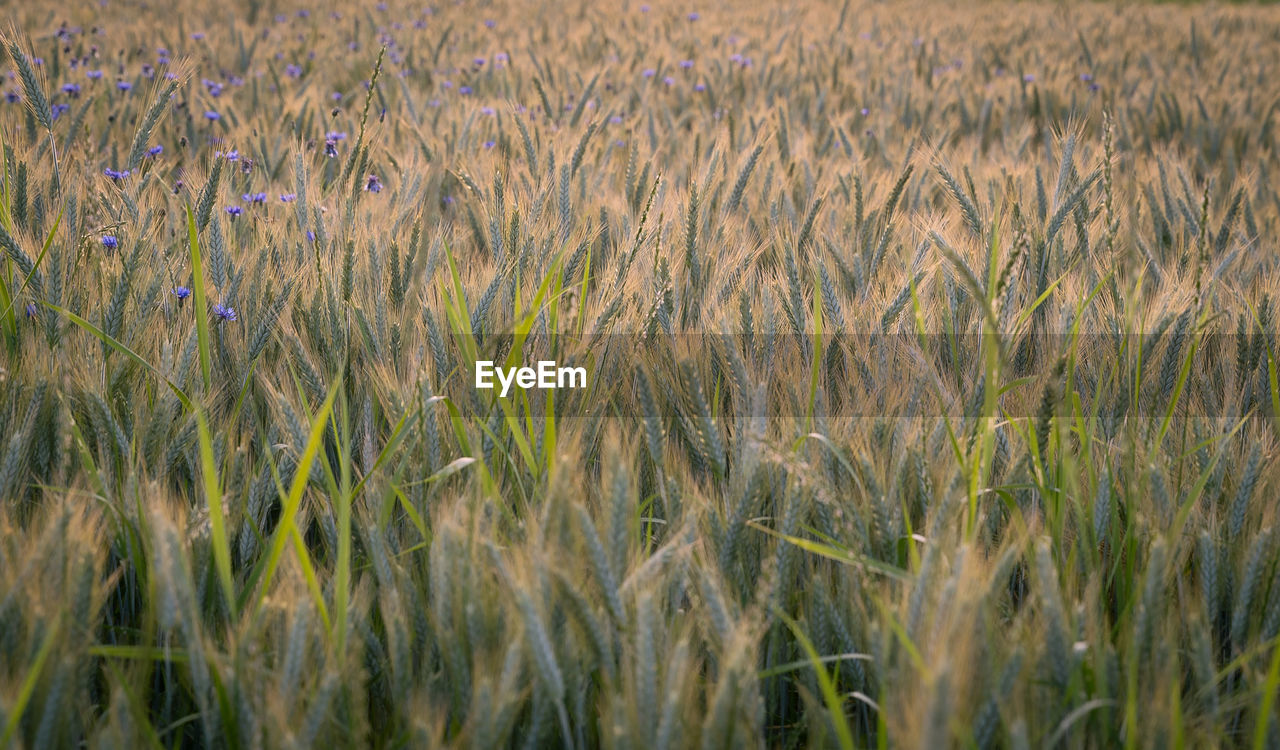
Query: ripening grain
x=931 y=375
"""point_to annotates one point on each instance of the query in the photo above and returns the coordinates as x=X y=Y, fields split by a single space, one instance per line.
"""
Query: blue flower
x=31 y=309
x=464 y=90
x=12 y=97
x=686 y=64
x=71 y=89
x=311 y=236
x=212 y=116
x=694 y=16
x=181 y=292
x=335 y=135
x=293 y=71
x=649 y=73
x=155 y=150
x=116 y=175
x=490 y=23
x=110 y=241
x=479 y=62
x=373 y=184
x=224 y=313
x=288 y=197
x=330 y=148
x=234 y=211
x=489 y=144
x=93 y=75
x=124 y=85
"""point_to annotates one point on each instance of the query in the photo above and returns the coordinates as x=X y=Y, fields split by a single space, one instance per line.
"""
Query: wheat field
x=931 y=393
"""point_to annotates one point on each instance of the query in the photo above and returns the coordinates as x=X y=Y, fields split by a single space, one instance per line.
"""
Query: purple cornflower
x=616 y=119
x=71 y=89
x=232 y=155
x=155 y=150
x=649 y=73
x=288 y=197
x=311 y=236
x=93 y=75
x=115 y=174
x=214 y=88
x=488 y=111
x=699 y=87
x=181 y=292
x=669 y=81
x=254 y=197
x=464 y=90
x=110 y=241
x=234 y=211
x=373 y=184
x=490 y=23
x=330 y=148
x=335 y=135
x=212 y=116
x=1028 y=78
x=58 y=109
x=12 y=97
x=1086 y=77
x=224 y=313
x=293 y=71
x=865 y=111
x=479 y=62
x=31 y=309
x=198 y=35
x=686 y=64
x=489 y=144
x=694 y=16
